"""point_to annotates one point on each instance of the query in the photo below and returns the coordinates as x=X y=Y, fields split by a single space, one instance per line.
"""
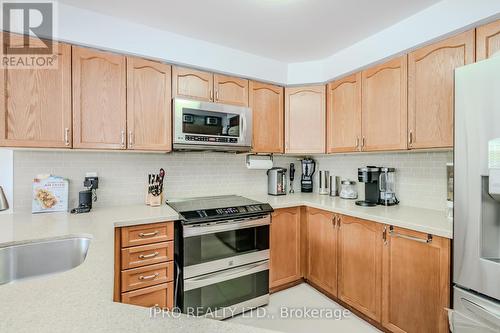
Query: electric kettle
x=276 y=181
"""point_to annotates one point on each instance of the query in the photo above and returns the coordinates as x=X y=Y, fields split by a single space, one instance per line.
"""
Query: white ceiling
x=285 y=30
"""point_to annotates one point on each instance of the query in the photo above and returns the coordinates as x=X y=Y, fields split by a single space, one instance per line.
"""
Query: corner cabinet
x=416 y=282
x=360 y=265
x=305 y=120
x=431 y=71
x=99 y=99
x=344 y=115
x=266 y=101
x=35 y=104
x=285 y=249
x=384 y=118
x=149 y=105
x=488 y=40
x=322 y=249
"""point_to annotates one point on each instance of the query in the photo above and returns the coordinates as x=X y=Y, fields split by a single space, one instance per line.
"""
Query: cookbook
x=50 y=194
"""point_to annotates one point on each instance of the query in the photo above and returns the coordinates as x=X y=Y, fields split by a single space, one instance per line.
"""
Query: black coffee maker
x=370 y=176
x=306 y=181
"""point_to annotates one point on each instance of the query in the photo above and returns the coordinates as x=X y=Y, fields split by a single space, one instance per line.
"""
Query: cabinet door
x=266 y=102
x=149 y=105
x=305 y=123
x=416 y=282
x=322 y=249
x=344 y=115
x=99 y=99
x=360 y=265
x=35 y=104
x=488 y=40
x=192 y=84
x=384 y=106
x=285 y=247
x=231 y=90
x=430 y=90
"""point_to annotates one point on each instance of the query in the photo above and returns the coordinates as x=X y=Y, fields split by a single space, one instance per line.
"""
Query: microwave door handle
x=213 y=278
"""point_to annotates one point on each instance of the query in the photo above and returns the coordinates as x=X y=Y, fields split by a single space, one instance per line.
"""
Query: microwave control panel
x=201 y=138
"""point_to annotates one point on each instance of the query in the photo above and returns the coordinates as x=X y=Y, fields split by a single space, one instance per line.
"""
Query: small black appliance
x=370 y=176
x=308 y=168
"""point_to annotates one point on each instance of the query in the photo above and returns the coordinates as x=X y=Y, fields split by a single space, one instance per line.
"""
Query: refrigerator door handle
x=482 y=312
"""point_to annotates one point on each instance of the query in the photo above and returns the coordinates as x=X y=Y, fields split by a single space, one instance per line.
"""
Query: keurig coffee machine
x=306 y=181
x=370 y=176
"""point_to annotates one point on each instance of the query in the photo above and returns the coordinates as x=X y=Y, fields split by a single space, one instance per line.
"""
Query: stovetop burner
x=205 y=209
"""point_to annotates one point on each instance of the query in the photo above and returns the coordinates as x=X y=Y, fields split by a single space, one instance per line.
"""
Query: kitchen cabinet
x=305 y=120
x=430 y=90
x=230 y=90
x=360 y=265
x=192 y=84
x=144 y=266
x=344 y=114
x=384 y=104
x=416 y=282
x=322 y=249
x=204 y=86
x=99 y=99
x=149 y=105
x=266 y=101
x=285 y=249
x=35 y=103
x=488 y=40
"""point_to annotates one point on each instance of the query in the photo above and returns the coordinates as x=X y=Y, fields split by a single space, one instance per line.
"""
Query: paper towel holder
x=248 y=157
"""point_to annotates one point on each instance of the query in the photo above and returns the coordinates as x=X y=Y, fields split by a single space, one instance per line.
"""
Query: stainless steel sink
x=40 y=258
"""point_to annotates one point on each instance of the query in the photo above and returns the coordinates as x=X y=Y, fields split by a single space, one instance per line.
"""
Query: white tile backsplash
x=122 y=176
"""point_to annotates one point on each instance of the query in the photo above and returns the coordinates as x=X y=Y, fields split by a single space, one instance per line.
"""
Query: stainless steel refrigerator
x=476 y=245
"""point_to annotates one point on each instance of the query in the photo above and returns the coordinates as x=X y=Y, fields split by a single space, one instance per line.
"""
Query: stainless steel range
x=221 y=255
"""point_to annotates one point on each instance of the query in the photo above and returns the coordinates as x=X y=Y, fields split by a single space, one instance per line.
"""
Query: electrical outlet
x=91 y=183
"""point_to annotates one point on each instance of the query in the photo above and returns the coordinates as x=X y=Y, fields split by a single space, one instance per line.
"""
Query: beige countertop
x=81 y=299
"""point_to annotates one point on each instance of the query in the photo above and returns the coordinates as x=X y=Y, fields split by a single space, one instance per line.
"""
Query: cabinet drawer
x=147 y=234
x=147 y=276
x=161 y=296
x=143 y=255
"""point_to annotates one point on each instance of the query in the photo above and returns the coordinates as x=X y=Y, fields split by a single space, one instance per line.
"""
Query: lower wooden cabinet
x=144 y=267
x=416 y=282
x=285 y=247
x=360 y=265
x=322 y=249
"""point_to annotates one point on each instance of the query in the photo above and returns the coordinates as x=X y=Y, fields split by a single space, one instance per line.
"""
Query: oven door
x=225 y=244
x=201 y=125
x=223 y=294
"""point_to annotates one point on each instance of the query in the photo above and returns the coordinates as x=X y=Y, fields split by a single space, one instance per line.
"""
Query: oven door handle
x=198 y=230
x=229 y=274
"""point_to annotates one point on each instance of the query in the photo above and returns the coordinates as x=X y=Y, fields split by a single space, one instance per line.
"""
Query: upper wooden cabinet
x=344 y=114
x=488 y=40
x=360 y=265
x=305 y=120
x=266 y=101
x=99 y=99
x=430 y=90
x=192 y=84
x=384 y=106
x=149 y=105
x=35 y=104
x=230 y=90
x=285 y=247
x=416 y=282
x=322 y=249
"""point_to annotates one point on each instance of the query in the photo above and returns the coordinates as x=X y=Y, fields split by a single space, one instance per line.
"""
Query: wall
x=420 y=176
x=444 y=18
x=122 y=176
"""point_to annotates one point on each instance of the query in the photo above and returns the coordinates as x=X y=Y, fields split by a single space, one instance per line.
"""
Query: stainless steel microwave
x=202 y=125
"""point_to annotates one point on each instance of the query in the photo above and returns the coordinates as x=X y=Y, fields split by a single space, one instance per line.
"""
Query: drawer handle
x=412 y=238
x=148 y=234
x=147 y=256
x=149 y=277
